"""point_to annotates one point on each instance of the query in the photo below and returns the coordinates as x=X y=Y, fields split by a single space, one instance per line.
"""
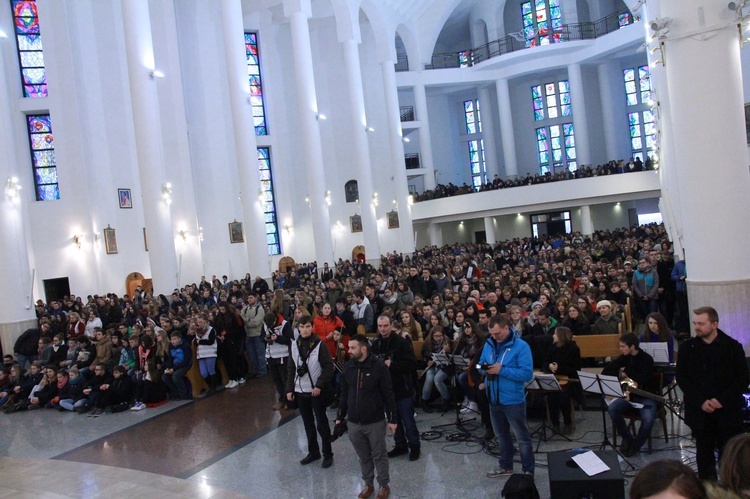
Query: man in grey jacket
x=252 y=315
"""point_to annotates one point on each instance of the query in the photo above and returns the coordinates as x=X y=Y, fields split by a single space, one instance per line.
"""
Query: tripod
x=458 y=363
x=546 y=384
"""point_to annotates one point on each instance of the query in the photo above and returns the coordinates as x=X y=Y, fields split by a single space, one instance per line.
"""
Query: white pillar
x=245 y=145
x=359 y=133
x=436 y=234
x=488 y=132
x=401 y=184
x=587 y=225
x=606 y=92
x=580 y=122
x=489 y=230
x=312 y=149
x=506 y=128
x=148 y=137
x=711 y=151
x=425 y=140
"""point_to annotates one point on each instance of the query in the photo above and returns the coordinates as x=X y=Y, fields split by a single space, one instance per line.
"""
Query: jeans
x=648 y=416
x=176 y=382
x=369 y=444
x=463 y=382
x=278 y=376
x=507 y=417
x=207 y=366
x=311 y=409
x=22 y=359
x=256 y=353
x=407 y=434
x=435 y=377
x=69 y=405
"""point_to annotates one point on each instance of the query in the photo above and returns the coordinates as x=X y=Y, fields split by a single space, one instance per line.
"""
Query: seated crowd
x=120 y=352
x=611 y=168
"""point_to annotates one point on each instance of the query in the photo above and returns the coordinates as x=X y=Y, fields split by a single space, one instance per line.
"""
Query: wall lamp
x=288 y=228
x=660 y=26
x=2 y=34
x=166 y=193
x=320 y=117
x=155 y=73
x=369 y=129
x=375 y=198
x=12 y=188
x=183 y=234
x=77 y=240
x=327 y=197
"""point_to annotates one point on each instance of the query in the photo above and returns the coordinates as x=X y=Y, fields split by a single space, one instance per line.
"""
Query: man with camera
x=366 y=397
x=308 y=375
x=398 y=355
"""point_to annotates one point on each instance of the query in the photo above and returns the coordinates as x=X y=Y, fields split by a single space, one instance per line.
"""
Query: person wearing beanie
x=607 y=323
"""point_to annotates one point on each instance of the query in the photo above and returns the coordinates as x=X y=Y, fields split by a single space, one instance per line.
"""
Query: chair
x=633 y=415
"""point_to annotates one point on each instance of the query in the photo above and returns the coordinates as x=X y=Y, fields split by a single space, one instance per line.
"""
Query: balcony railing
x=412 y=161
x=407 y=113
x=566 y=33
x=402 y=63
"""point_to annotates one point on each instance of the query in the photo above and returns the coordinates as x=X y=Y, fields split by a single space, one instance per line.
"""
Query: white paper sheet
x=590 y=463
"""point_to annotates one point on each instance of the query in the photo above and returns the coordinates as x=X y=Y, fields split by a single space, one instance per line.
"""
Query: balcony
x=412 y=161
x=406 y=113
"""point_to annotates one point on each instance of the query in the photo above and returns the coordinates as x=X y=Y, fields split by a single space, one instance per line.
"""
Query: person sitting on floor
x=76 y=399
x=116 y=394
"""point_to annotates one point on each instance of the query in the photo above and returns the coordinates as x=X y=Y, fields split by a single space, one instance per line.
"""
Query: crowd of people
x=611 y=168
x=468 y=300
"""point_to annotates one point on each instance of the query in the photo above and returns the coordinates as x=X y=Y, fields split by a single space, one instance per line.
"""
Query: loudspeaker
x=568 y=481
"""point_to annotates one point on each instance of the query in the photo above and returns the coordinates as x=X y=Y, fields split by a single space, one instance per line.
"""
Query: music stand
x=459 y=364
x=546 y=384
x=606 y=386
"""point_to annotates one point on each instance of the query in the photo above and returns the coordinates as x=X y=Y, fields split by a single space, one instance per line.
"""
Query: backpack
x=520 y=486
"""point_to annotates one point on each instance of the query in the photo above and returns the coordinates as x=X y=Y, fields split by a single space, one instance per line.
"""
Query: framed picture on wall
x=235 y=232
x=110 y=241
x=392 y=219
x=355 y=223
x=123 y=195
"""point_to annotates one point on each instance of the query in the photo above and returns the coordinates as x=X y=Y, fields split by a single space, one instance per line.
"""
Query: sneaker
x=96 y=413
x=242 y=381
x=398 y=451
x=499 y=473
x=232 y=384
x=139 y=406
x=383 y=492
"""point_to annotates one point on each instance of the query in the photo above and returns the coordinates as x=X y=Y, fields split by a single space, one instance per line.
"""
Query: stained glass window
x=472 y=118
x=30 y=55
x=542 y=22
x=624 y=19
x=465 y=59
x=476 y=160
x=268 y=201
x=551 y=100
x=256 y=86
x=556 y=148
x=637 y=91
x=43 y=157
x=642 y=133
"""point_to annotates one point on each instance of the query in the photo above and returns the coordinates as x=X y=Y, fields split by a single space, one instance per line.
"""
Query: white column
x=244 y=138
x=587 y=225
x=711 y=151
x=312 y=149
x=580 y=122
x=436 y=234
x=425 y=140
x=489 y=230
x=488 y=132
x=506 y=128
x=359 y=133
x=148 y=137
x=401 y=184
x=606 y=92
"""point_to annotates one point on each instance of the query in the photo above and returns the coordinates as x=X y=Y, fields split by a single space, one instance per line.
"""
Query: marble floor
x=233 y=444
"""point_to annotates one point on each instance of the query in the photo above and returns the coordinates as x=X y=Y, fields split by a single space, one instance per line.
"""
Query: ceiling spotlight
x=166 y=192
x=659 y=26
x=736 y=6
x=156 y=74
x=369 y=129
x=407 y=139
x=320 y=117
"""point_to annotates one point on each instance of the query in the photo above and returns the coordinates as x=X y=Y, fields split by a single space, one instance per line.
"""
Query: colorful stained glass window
x=642 y=133
x=542 y=22
x=465 y=59
x=30 y=54
x=472 y=118
x=624 y=19
x=556 y=147
x=256 y=86
x=637 y=91
x=268 y=201
x=551 y=100
x=476 y=161
x=43 y=157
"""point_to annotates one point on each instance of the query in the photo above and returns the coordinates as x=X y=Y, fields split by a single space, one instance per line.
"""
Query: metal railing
x=412 y=161
x=508 y=44
x=402 y=63
x=407 y=113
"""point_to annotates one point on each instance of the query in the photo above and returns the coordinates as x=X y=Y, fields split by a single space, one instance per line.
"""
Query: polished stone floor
x=234 y=444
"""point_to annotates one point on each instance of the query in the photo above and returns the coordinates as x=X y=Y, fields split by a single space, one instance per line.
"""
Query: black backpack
x=520 y=486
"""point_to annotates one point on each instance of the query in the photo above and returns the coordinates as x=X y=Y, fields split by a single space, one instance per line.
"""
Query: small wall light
x=12 y=188
x=156 y=74
x=77 y=240
x=166 y=193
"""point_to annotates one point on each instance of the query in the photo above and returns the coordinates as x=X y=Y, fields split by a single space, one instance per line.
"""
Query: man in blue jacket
x=507 y=364
x=177 y=366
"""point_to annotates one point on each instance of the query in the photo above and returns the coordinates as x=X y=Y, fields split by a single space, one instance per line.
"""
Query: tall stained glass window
x=551 y=100
x=478 y=166
x=43 y=157
x=637 y=91
x=472 y=118
x=268 y=201
x=256 y=87
x=542 y=22
x=556 y=148
x=30 y=55
x=642 y=133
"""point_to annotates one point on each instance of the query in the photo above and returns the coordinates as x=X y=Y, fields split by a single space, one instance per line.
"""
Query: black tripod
x=606 y=441
x=454 y=399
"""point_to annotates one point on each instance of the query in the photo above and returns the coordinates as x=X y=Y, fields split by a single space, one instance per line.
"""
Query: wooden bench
x=598 y=345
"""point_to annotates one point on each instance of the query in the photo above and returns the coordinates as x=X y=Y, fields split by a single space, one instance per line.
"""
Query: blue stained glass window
x=556 y=144
x=43 y=163
x=542 y=25
x=476 y=162
x=472 y=118
x=552 y=100
x=268 y=200
x=256 y=87
x=624 y=19
x=29 y=43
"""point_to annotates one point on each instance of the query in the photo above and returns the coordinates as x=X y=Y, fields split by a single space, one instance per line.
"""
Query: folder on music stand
x=460 y=361
x=441 y=359
x=658 y=350
x=543 y=382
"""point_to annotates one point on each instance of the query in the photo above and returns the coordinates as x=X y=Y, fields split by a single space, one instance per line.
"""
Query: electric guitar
x=631 y=387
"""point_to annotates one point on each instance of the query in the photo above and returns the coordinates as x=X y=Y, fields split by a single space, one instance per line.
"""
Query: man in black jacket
x=712 y=373
x=366 y=396
x=398 y=355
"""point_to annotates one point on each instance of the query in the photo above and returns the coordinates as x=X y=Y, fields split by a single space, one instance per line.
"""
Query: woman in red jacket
x=325 y=324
